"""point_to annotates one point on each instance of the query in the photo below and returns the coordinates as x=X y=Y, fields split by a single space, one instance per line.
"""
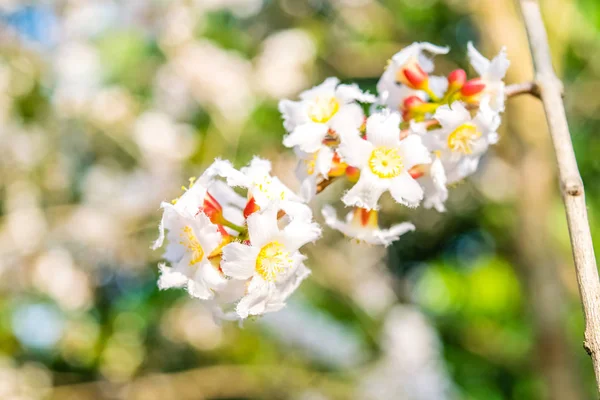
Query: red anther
x=416 y=172
x=457 y=78
x=251 y=207
x=472 y=87
x=412 y=101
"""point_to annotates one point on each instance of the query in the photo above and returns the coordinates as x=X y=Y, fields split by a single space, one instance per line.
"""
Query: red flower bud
x=251 y=207
x=457 y=78
x=352 y=173
x=416 y=172
x=211 y=208
x=472 y=87
x=412 y=101
x=412 y=75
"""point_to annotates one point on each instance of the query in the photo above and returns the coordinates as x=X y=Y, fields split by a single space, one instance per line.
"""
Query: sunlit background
x=107 y=107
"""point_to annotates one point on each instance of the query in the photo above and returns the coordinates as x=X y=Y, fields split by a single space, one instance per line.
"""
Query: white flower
x=271 y=262
x=434 y=187
x=191 y=240
x=393 y=86
x=361 y=224
x=462 y=140
x=192 y=237
x=384 y=161
x=327 y=108
x=491 y=74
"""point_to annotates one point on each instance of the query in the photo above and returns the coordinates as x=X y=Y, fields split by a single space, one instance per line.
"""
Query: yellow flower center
x=386 y=162
x=191 y=243
x=462 y=138
x=323 y=108
x=272 y=261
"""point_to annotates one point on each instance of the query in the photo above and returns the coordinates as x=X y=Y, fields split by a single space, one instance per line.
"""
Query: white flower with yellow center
x=192 y=239
x=391 y=86
x=271 y=263
x=328 y=108
x=491 y=73
x=384 y=161
x=462 y=139
x=362 y=225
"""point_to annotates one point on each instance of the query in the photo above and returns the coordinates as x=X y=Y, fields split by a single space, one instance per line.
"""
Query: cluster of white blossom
x=241 y=254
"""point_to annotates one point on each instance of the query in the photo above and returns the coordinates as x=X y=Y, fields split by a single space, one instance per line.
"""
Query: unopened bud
x=472 y=87
x=412 y=101
x=251 y=207
x=412 y=75
x=212 y=208
x=416 y=172
x=457 y=78
x=352 y=173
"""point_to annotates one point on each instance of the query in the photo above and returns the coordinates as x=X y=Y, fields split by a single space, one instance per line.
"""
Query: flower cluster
x=421 y=133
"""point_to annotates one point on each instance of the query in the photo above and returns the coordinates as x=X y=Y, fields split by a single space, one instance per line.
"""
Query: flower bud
x=412 y=75
x=212 y=208
x=251 y=207
x=352 y=173
x=472 y=87
x=416 y=172
x=457 y=79
x=412 y=101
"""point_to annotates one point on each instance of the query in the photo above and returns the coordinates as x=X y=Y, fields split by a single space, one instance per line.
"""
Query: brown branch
x=522 y=88
x=550 y=89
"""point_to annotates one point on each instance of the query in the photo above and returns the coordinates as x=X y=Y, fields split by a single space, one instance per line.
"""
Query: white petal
x=451 y=117
x=324 y=160
x=487 y=120
x=255 y=301
x=262 y=225
x=388 y=236
x=225 y=195
x=239 y=260
x=293 y=114
x=405 y=190
x=367 y=191
x=299 y=232
x=479 y=62
x=383 y=129
x=498 y=66
x=327 y=88
x=348 y=119
x=206 y=282
x=258 y=167
x=170 y=278
x=439 y=85
x=308 y=137
x=354 y=150
x=350 y=93
x=424 y=61
x=414 y=152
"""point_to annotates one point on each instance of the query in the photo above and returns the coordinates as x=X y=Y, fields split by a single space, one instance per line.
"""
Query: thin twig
x=550 y=89
x=522 y=88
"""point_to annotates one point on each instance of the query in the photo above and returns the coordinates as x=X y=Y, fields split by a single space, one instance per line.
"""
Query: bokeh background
x=107 y=107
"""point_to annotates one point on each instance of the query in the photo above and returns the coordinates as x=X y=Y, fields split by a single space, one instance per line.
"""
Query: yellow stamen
x=191 y=243
x=462 y=138
x=386 y=162
x=323 y=108
x=272 y=261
